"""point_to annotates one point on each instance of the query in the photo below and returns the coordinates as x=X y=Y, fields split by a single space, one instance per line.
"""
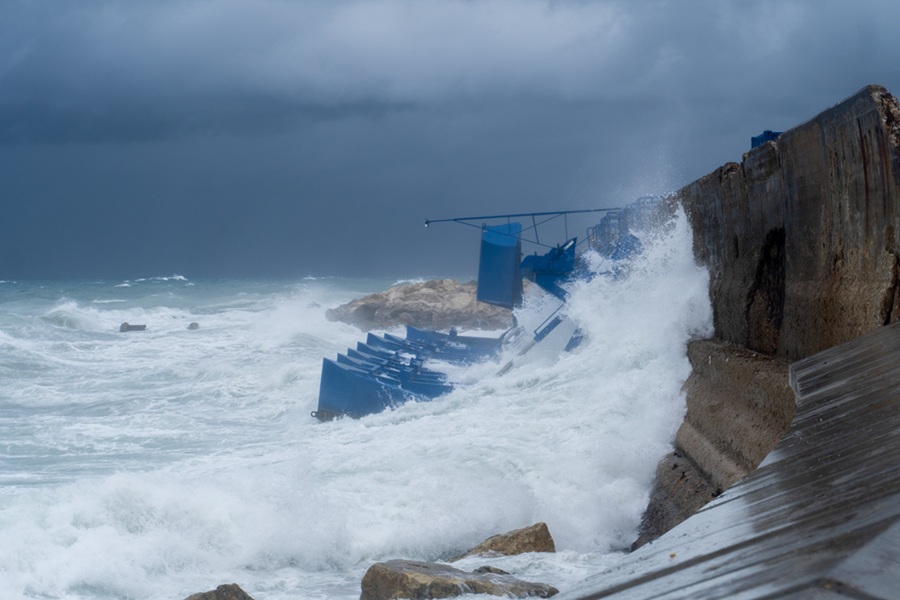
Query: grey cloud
x=207 y=65
x=246 y=135
x=184 y=57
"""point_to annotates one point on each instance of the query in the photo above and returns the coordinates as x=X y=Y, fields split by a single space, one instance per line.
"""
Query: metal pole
x=532 y=215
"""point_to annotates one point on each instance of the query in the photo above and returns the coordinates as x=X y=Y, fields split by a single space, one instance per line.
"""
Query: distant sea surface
x=155 y=464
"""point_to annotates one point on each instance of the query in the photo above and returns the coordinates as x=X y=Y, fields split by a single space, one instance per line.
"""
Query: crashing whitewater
x=161 y=463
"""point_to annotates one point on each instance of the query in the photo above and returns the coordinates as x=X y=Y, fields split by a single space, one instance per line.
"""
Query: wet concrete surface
x=820 y=517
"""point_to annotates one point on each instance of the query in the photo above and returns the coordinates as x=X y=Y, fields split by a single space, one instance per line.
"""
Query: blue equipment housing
x=551 y=269
x=499 y=279
x=766 y=136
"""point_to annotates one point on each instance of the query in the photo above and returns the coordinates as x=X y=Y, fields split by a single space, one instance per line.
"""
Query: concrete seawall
x=820 y=518
x=738 y=406
x=801 y=237
x=801 y=242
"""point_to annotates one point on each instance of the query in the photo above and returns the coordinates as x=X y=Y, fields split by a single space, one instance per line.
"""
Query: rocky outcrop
x=437 y=304
x=420 y=580
x=229 y=591
x=535 y=538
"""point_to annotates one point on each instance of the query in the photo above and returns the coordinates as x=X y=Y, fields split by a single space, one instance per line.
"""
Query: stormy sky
x=270 y=138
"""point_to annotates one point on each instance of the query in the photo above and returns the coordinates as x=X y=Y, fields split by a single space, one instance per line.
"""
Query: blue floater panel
x=388 y=370
x=499 y=280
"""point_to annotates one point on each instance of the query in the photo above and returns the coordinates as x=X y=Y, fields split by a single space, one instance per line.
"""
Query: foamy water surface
x=156 y=464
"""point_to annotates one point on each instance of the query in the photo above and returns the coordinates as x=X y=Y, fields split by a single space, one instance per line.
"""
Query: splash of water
x=166 y=462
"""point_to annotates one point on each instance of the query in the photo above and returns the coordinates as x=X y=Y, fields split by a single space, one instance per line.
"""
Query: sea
x=155 y=464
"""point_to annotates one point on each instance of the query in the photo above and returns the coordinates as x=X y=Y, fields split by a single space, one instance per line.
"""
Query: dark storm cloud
x=116 y=71
x=242 y=135
x=137 y=69
x=143 y=69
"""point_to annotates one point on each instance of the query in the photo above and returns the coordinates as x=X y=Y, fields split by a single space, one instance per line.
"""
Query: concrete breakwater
x=800 y=239
x=820 y=518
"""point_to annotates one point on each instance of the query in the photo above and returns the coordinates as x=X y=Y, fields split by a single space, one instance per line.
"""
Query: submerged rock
x=228 y=591
x=535 y=538
x=435 y=304
x=412 y=579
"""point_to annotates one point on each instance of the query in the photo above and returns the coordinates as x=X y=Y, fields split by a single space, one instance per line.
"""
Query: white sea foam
x=155 y=464
x=163 y=278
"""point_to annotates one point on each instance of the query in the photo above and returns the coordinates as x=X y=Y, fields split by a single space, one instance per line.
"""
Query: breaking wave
x=161 y=463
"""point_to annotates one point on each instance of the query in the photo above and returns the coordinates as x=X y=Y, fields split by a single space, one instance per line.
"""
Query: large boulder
x=534 y=538
x=228 y=591
x=420 y=580
x=435 y=304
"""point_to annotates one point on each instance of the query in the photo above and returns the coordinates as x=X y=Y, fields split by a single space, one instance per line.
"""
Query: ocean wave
x=149 y=453
x=69 y=314
x=162 y=278
x=412 y=281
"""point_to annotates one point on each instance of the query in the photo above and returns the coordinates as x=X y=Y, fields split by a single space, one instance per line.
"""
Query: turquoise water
x=160 y=463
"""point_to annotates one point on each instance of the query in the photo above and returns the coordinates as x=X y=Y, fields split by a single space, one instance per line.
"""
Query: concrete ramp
x=820 y=517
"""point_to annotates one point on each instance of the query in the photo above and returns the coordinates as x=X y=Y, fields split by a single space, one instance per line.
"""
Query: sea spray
x=156 y=464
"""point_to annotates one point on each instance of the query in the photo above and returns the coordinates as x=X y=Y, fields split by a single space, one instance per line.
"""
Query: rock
x=490 y=569
x=535 y=538
x=128 y=327
x=436 y=304
x=228 y=591
x=420 y=580
x=194 y=325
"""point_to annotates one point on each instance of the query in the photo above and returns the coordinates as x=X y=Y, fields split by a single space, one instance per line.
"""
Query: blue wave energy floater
x=387 y=370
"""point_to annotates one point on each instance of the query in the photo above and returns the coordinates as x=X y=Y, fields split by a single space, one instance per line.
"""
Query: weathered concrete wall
x=819 y=519
x=801 y=243
x=801 y=237
x=739 y=404
x=752 y=403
